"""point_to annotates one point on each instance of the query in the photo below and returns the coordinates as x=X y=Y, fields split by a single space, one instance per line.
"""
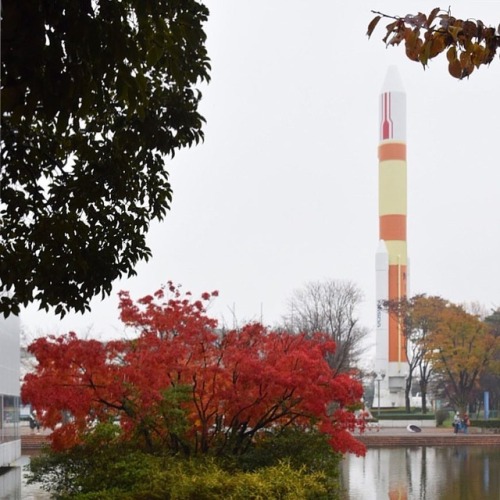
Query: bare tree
x=330 y=306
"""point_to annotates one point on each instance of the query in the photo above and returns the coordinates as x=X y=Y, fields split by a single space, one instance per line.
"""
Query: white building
x=10 y=440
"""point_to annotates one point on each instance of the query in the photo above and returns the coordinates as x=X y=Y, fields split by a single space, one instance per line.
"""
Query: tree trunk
x=408 y=391
x=423 y=393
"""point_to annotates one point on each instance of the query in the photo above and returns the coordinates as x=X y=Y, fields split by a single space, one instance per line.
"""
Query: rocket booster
x=392 y=252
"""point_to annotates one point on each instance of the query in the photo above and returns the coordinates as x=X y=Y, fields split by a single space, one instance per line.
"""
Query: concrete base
x=10 y=483
x=10 y=452
x=388 y=398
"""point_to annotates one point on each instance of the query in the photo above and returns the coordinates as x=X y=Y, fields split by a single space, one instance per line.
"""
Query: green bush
x=303 y=449
x=308 y=451
x=205 y=480
x=192 y=480
x=289 y=465
x=441 y=416
x=486 y=424
x=407 y=416
x=80 y=470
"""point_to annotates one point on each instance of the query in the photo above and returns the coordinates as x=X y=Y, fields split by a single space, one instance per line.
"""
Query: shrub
x=441 y=416
x=204 y=479
x=487 y=424
x=407 y=416
x=289 y=465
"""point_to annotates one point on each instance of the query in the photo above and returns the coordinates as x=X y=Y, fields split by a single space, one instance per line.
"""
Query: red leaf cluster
x=239 y=383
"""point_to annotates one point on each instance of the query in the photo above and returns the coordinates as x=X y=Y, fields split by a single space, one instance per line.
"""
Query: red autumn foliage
x=182 y=385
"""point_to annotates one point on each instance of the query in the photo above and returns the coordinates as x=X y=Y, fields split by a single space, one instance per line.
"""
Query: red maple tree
x=183 y=385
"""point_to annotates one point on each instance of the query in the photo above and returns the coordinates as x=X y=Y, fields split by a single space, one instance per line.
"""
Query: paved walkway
x=403 y=431
x=25 y=430
x=372 y=437
x=429 y=436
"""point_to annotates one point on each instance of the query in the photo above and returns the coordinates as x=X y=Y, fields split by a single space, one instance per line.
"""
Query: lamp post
x=379 y=378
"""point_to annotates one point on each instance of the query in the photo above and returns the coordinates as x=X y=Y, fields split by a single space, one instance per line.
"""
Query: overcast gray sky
x=284 y=189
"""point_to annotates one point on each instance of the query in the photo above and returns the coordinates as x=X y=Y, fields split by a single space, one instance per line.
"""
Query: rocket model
x=391 y=257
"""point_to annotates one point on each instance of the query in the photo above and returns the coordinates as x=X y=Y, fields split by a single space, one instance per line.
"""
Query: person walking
x=34 y=423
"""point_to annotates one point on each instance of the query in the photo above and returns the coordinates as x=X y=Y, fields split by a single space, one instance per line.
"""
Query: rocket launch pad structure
x=391 y=257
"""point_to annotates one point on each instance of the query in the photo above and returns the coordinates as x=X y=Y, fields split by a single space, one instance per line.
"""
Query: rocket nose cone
x=392 y=82
x=382 y=247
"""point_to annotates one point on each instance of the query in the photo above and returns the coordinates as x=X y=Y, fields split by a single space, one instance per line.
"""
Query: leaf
x=467 y=64
x=398 y=36
x=372 y=25
x=424 y=54
x=11 y=97
x=455 y=68
x=413 y=45
x=478 y=55
x=437 y=45
x=390 y=28
x=454 y=31
x=470 y=29
x=154 y=54
x=451 y=54
x=432 y=16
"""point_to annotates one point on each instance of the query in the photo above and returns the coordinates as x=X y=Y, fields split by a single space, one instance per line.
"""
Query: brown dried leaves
x=468 y=44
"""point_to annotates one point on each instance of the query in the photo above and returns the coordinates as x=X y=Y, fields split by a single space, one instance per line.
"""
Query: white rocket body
x=391 y=263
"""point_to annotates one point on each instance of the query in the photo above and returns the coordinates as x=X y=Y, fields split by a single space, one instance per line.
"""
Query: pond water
x=424 y=473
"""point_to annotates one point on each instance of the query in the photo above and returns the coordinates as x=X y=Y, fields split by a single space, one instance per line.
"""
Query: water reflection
x=424 y=473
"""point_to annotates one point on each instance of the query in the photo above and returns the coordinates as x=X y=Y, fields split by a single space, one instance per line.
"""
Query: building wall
x=10 y=483
x=10 y=443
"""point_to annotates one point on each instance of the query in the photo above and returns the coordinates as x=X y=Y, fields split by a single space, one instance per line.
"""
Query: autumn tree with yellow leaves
x=445 y=341
x=422 y=318
x=461 y=347
x=418 y=317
